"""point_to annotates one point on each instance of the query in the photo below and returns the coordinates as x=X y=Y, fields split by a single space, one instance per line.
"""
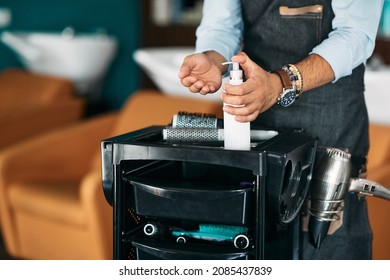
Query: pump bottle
x=236 y=134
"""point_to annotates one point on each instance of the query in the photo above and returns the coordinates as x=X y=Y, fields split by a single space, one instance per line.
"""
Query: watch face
x=287 y=98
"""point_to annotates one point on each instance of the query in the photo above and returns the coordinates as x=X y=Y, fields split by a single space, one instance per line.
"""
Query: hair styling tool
x=331 y=182
x=208 y=134
x=194 y=120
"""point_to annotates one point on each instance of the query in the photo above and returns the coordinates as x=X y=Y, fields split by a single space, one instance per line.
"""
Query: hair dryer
x=331 y=181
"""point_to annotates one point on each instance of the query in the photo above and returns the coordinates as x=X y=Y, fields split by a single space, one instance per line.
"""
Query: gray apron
x=335 y=113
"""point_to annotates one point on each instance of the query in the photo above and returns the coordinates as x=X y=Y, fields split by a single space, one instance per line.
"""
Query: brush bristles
x=194 y=120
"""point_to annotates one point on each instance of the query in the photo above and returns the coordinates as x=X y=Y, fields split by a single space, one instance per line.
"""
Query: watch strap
x=285 y=78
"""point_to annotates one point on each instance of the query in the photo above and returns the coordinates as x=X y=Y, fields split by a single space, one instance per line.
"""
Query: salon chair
x=51 y=196
x=33 y=103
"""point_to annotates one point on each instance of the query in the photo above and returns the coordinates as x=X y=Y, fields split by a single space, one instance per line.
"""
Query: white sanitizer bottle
x=236 y=134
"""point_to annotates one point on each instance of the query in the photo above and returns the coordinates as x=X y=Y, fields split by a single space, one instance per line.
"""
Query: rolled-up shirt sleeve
x=352 y=40
x=221 y=27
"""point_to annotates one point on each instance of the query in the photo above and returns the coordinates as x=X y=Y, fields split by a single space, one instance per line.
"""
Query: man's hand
x=202 y=72
x=258 y=93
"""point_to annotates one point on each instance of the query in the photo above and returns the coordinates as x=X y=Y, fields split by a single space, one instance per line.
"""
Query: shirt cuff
x=337 y=55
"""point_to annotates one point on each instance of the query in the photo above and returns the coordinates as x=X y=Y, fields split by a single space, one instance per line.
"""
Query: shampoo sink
x=81 y=58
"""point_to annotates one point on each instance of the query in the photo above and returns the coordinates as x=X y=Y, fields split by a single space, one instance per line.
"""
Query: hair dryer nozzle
x=318 y=231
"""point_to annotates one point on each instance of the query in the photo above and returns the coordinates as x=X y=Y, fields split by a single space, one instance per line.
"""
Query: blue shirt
x=351 y=42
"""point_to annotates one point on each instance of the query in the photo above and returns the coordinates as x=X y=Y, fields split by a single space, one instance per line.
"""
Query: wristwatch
x=292 y=84
x=287 y=97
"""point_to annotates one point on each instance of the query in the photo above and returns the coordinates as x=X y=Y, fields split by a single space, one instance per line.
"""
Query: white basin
x=162 y=65
x=377 y=95
x=82 y=58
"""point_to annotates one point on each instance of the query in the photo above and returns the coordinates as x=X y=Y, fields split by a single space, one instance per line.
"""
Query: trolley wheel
x=241 y=241
x=181 y=239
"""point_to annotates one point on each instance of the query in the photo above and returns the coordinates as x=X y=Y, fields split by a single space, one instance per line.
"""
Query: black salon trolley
x=165 y=194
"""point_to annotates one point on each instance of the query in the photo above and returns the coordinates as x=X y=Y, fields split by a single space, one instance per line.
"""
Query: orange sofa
x=51 y=198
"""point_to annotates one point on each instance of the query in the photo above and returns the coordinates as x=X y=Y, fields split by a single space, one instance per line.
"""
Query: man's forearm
x=315 y=71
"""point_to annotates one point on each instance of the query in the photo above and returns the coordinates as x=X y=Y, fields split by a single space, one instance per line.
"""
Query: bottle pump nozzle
x=236 y=66
x=235 y=73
